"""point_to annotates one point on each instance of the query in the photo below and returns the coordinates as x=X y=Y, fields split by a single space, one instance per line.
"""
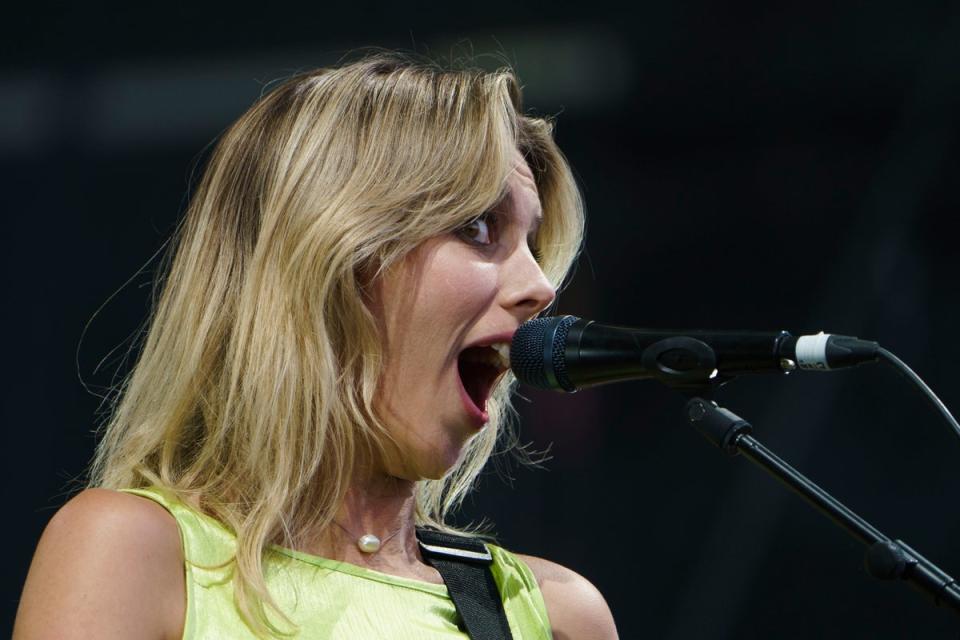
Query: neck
x=374 y=504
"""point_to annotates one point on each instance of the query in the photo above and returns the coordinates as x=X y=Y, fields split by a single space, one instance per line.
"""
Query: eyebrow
x=538 y=216
x=535 y=227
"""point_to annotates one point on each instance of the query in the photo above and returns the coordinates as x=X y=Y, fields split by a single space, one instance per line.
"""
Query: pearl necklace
x=369 y=543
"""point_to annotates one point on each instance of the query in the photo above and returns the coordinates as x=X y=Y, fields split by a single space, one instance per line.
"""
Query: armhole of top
x=159 y=498
x=505 y=559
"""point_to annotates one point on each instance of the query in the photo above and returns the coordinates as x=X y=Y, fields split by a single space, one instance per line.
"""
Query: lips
x=480 y=367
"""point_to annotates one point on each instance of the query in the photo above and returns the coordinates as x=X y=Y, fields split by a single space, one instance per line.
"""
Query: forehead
x=522 y=171
x=522 y=188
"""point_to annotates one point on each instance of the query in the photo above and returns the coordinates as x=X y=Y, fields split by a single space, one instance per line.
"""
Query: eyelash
x=492 y=220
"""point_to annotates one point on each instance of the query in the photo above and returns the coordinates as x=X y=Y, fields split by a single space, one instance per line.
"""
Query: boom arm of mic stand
x=886 y=559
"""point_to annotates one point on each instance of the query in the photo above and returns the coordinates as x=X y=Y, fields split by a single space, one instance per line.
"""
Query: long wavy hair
x=252 y=396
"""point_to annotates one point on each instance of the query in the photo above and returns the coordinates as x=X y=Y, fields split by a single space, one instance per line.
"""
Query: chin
x=429 y=464
x=433 y=475
x=436 y=467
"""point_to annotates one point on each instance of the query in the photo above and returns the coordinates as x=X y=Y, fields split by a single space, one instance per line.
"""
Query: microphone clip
x=683 y=363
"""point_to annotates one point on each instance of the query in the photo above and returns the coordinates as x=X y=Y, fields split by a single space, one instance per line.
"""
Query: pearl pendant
x=369 y=543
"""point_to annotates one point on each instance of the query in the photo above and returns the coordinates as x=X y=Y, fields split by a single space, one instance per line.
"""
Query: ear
x=366 y=280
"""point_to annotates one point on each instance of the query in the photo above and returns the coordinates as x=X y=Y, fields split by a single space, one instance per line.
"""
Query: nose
x=524 y=287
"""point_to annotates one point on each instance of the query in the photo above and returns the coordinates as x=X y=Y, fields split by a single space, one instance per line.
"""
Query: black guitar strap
x=464 y=563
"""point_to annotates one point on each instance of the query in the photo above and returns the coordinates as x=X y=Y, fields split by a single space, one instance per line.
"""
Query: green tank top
x=334 y=600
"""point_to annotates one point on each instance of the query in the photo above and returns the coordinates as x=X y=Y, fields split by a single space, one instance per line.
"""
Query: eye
x=535 y=251
x=481 y=230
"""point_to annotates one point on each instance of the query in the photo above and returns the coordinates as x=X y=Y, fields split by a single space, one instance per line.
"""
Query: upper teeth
x=497 y=355
x=503 y=350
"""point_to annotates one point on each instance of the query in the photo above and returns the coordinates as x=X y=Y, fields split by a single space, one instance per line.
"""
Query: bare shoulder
x=109 y=565
x=576 y=608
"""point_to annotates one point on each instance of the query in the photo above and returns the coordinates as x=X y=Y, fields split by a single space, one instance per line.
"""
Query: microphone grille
x=537 y=352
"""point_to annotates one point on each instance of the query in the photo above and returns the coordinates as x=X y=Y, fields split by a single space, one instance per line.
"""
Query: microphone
x=569 y=353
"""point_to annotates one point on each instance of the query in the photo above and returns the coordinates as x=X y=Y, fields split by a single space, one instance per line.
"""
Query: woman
x=324 y=372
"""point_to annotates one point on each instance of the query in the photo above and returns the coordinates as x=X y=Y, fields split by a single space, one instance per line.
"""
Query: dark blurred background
x=745 y=165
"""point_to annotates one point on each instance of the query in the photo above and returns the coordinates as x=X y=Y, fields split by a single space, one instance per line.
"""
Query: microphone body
x=569 y=353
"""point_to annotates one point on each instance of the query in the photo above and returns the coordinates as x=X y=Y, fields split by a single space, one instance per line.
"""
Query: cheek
x=461 y=291
x=425 y=309
x=452 y=297
x=449 y=302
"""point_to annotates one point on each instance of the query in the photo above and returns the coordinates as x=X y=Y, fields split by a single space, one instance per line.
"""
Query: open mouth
x=479 y=368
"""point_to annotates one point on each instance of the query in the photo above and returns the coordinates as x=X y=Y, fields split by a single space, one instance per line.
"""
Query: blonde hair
x=253 y=394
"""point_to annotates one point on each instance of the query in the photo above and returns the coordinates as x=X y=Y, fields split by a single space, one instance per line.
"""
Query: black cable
x=931 y=396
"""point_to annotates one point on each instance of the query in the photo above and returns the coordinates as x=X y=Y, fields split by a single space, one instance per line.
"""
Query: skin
x=110 y=565
x=452 y=291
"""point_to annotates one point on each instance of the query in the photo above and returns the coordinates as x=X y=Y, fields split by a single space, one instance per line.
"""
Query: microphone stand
x=886 y=559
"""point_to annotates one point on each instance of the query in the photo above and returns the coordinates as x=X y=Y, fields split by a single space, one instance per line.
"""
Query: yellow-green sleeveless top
x=334 y=600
